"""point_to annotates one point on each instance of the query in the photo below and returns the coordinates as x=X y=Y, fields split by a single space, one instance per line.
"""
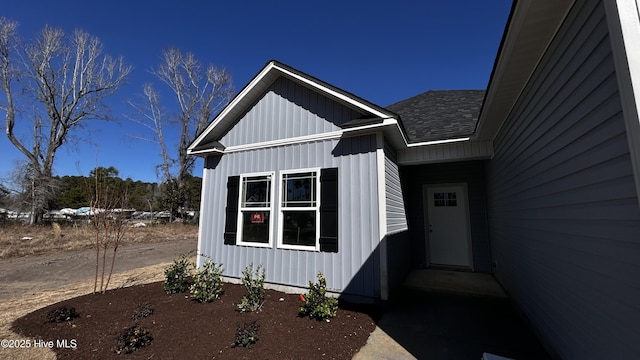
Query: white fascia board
x=283 y=142
x=386 y=121
x=438 y=142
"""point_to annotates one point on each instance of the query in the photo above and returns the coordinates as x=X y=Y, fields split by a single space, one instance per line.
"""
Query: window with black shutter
x=307 y=209
x=231 y=210
x=329 y=210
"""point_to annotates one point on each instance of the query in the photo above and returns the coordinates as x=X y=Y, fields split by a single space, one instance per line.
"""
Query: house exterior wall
x=469 y=172
x=354 y=269
x=288 y=110
x=563 y=214
x=396 y=241
x=396 y=216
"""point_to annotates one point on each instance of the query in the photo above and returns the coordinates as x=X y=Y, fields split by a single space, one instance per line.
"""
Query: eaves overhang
x=531 y=27
x=390 y=127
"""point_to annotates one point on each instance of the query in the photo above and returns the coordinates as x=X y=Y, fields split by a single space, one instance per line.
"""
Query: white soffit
x=532 y=26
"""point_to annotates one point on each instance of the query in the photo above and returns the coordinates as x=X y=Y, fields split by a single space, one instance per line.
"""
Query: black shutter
x=329 y=210
x=231 y=211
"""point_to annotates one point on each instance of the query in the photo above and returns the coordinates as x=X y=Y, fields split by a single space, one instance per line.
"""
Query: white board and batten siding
x=354 y=268
x=563 y=215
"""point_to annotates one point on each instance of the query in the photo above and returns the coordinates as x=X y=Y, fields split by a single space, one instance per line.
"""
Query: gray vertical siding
x=354 y=269
x=288 y=110
x=564 y=220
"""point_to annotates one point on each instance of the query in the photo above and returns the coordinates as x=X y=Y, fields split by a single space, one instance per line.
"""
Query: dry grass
x=15 y=308
x=23 y=240
x=57 y=231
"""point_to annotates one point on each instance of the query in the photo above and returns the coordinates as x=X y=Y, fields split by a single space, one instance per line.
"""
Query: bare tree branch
x=200 y=93
x=152 y=118
x=68 y=77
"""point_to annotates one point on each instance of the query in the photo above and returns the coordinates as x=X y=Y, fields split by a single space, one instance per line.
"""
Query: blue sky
x=382 y=51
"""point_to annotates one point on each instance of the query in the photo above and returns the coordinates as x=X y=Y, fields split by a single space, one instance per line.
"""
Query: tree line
x=57 y=83
x=82 y=191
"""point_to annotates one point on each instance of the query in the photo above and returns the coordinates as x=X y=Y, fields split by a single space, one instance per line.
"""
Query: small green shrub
x=254 y=283
x=177 y=275
x=207 y=282
x=61 y=314
x=317 y=305
x=142 y=311
x=132 y=339
x=246 y=335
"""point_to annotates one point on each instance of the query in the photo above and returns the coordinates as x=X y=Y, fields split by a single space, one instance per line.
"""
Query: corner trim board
x=623 y=18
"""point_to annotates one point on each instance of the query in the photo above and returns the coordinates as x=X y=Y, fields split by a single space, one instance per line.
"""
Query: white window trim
x=281 y=174
x=271 y=209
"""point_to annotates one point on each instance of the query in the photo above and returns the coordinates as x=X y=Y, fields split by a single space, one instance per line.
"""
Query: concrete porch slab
x=454 y=282
x=438 y=314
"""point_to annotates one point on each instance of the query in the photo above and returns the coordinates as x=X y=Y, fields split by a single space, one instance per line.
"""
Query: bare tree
x=66 y=80
x=109 y=222
x=200 y=93
x=24 y=178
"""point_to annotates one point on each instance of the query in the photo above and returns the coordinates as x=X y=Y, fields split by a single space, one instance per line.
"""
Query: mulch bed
x=184 y=329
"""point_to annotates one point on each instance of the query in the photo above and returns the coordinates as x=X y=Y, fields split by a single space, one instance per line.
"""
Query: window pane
x=256 y=191
x=299 y=228
x=451 y=199
x=299 y=190
x=445 y=199
x=255 y=226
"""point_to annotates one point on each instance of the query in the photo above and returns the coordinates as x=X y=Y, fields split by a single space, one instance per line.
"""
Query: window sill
x=299 y=247
x=252 y=244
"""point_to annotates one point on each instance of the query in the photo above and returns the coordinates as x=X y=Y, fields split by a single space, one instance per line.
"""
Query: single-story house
x=536 y=180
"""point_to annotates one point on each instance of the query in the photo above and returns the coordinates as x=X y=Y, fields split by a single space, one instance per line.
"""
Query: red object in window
x=257 y=218
x=302 y=298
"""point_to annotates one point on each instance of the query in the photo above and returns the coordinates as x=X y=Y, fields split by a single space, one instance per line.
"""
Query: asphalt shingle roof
x=439 y=114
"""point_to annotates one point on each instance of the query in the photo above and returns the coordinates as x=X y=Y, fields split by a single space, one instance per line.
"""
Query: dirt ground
x=31 y=275
x=31 y=282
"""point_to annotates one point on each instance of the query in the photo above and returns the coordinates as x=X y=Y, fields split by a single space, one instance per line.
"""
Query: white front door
x=447 y=225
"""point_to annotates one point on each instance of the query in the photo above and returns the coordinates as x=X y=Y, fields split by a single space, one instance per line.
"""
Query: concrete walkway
x=440 y=315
